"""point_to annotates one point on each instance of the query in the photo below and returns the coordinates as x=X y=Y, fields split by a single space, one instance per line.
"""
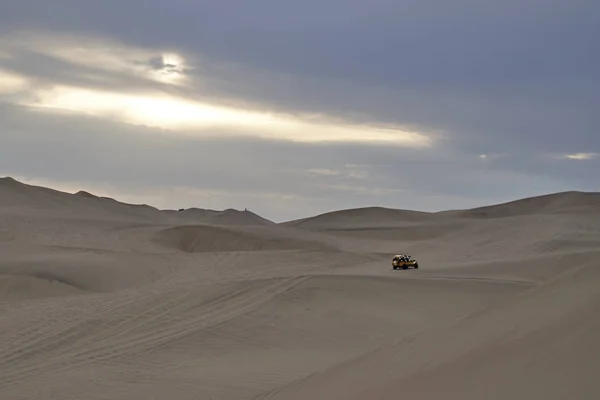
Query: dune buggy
x=403 y=261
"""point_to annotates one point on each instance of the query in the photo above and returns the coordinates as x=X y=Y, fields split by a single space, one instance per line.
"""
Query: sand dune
x=22 y=287
x=225 y=217
x=556 y=203
x=105 y=300
x=206 y=238
x=568 y=203
x=15 y=196
x=357 y=218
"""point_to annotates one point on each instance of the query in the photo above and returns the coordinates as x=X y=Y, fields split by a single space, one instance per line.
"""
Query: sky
x=292 y=109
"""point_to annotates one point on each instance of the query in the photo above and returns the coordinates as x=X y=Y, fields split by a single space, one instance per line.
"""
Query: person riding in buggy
x=403 y=261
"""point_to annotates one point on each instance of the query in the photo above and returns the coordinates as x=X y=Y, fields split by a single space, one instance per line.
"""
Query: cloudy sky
x=296 y=108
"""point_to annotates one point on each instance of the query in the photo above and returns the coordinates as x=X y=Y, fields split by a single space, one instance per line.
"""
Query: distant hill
x=373 y=217
x=357 y=217
x=16 y=194
x=226 y=217
x=556 y=203
x=203 y=238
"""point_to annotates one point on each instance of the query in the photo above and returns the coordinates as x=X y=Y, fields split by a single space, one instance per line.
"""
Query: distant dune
x=101 y=299
x=225 y=217
x=359 y=217
x=201 y=238
x=371 y=217
x=557 y=203
x=20 y=195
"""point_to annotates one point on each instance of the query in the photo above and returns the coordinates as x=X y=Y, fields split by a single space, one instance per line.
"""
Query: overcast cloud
x=296 y=108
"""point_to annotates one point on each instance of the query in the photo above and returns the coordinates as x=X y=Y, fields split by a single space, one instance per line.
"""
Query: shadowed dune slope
x=205 y=238
x=225 y=217
x=23 y=287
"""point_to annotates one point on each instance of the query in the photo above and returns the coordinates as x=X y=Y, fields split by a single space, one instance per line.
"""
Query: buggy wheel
x=416 y=265
x=404 y=266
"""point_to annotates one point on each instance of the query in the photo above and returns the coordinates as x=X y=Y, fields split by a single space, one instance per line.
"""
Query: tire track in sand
x=148 y=333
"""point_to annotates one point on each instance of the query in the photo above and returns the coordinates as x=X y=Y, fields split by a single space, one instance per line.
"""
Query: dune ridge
x=15 y=194
x=573 y=202
x=101 y=299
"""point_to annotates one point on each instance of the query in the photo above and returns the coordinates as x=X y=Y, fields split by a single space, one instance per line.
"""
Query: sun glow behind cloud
x=101 y=54
x=173 y=113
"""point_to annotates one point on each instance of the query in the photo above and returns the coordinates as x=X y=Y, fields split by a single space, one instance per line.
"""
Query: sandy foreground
x=104 y=300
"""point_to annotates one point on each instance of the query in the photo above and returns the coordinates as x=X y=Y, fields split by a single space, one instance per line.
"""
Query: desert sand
x=105 y=300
